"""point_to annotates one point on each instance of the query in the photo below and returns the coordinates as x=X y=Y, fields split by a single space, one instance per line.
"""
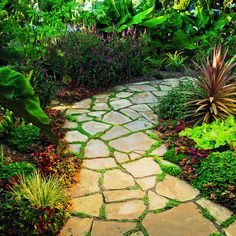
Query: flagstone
x=83 y=117
x=76 y=226
x=115 y=132
x=103 y=228
x=70 y=125
x=93 y=127
x=100 y=106
x=89 y=204
x=134 y=155
x=118 y=104
x=160 y=93
x=145 y=97
x=175 y=188
x=143 y=167
x=165 y=87
x=117 y=179
x=156 y=201
x=147 y=182
x=230 y=230
x=99 y=164
x=88 y=183
x=141 y=107
x=184 y=220
x=133 y=142
x=72 y=111
x=84 y=104
x=150 y=116
x=138 y=125
x=160 y=151
x=125 y=210
x=74 y=147
x=123 y=94
x=121 y=195
x=141 y=87
x=220 y=213
x=75 y=136
x=97 y=114
x=121 y=157
x=131 y=113
x=139 y=233
x=115 y=118
x=96 y=148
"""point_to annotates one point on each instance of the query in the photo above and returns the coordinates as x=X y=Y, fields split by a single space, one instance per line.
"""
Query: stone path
x=122 y=190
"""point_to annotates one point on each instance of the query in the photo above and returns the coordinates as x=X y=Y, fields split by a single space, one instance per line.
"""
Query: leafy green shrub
x=216 y=178
x=173 y=157
x=214 y=135
x=171 y=169
x=42 y=203
x=172 y=105
x=175 y=61
x=96 y=60
x=23 y=137
x=10 y=171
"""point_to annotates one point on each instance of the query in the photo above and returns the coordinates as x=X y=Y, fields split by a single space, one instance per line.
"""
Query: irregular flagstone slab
x=143 y=167
x=76 y=226
x=115 y=118
x=83 y=117
x=134 y=155
x=102 y=97
x=139 y=233
x=96 y=148
x=220 y=213
x=149 y=116
x=75 y=136
x=175 y=188
x=121 y=195
x=114 y=132
x=142 y=98
x=156 y=201
x=160 y=93
x=138 y=125
x=88 y=183
x=70 y=125
x=103 y=228
x=97 y=114
x=131 y=113
x=140 y=87
x=125 y=210
x=165 y=87
x=123 y=94
x=141 y=107
x=93 y=127
x=118 y=104
x=89 y=205
x=147 y=183
x=230 y=231
x=133 y=142
x=160 y=151
x=117 y=179
x=184 y=220
x=99 y=164
x=73 y=111
x=83 y=104
x=121 y=157
x=100 y=106
x=74 y=147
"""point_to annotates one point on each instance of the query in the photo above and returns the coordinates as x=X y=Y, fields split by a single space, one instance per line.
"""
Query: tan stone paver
x=93 y=127
x=114 y=132
x=75 y=136
x=175 y=188
x=184 y=220
x=121 y=157
x=98 y=164
x=121 y=103
x=105 y=228
x=96 y=148
x=83 y=104
x=115 y=118
x=156 y=201
x=231 y=230
x=145 y=97
x=147 y=182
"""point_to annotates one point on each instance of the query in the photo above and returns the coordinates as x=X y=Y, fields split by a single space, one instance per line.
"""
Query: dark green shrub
x=172 y=105
x=23 y=137
x=216 y=178
x=171 y=169
x=171 y=156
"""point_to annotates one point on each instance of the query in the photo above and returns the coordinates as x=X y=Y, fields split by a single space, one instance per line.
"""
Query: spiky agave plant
x=216 y=80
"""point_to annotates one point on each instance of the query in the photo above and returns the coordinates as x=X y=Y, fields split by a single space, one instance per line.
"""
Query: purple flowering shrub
x=95 y=60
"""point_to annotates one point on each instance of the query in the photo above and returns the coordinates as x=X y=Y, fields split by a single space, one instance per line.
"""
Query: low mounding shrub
x=173 y=157
x=216 y=178
x=23 y=137
x=96 y=60
x=42 y=204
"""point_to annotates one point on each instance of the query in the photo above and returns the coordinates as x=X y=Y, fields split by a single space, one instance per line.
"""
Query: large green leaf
x=137 y=19
x=17 y=94
x=155 y=22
